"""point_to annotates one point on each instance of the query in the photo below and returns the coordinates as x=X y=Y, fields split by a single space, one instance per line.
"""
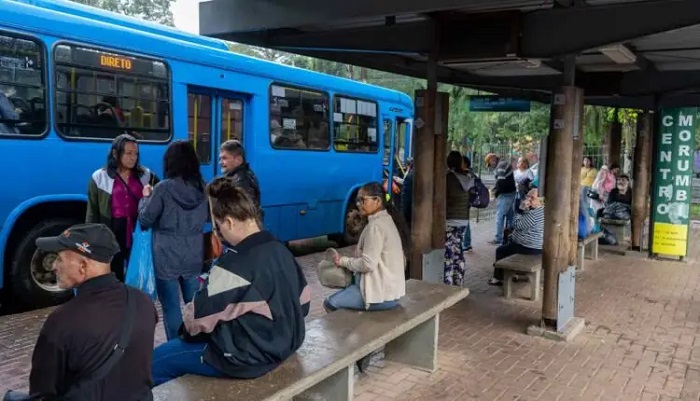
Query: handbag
x=100 y=372
x=330 y=275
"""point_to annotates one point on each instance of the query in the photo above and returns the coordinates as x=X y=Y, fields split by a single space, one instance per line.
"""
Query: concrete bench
x=588 y=246
x=529 y=265
x=621 y=228
x=323 y=368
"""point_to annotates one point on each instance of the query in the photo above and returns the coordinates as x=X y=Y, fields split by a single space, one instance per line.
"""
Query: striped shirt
x=528 y=228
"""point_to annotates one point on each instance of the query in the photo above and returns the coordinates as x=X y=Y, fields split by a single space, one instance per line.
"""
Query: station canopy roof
x=629 y=53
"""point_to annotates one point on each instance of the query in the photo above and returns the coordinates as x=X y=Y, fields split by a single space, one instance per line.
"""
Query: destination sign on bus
x=81 y=56
x=119 y=63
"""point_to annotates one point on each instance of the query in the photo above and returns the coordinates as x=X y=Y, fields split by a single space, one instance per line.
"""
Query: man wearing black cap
x=97 y=346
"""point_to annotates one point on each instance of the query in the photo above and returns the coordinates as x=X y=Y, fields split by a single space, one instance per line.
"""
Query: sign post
x=672 y=182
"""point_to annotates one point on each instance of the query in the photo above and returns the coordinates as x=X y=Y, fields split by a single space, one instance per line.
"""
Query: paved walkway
x=641 y=341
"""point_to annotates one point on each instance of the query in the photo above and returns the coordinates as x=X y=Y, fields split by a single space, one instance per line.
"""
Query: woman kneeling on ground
x=249 y=316
x=527 y=235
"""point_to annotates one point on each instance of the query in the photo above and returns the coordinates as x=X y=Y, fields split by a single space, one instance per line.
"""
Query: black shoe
x=363 y=363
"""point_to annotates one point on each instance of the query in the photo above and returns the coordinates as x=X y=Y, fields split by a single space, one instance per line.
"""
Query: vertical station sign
x=672 y=181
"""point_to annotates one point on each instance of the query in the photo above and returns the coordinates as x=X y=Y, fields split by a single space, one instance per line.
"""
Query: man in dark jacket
x=505 y=191
x=234 y=165
x=247 y=319
x=79 y=336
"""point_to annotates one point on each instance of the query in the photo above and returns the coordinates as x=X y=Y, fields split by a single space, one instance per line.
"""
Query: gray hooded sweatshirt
x=177 y=212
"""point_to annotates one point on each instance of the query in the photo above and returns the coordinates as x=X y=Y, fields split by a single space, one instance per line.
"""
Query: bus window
x=22 y=86
x=231 y=120
x=100 y=95
x=298 y=119
x=355 y=125
x=199 y=125
x=387 y=142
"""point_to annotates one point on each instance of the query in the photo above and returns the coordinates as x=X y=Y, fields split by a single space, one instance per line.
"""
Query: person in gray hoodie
x=177 y=210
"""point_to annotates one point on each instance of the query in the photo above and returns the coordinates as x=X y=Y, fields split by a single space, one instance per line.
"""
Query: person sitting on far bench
x=249 y=316
x=527 y=236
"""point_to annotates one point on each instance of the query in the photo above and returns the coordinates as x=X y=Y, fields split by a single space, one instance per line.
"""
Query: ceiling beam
x=572 y=30
x=479 y=36
x=218 y=17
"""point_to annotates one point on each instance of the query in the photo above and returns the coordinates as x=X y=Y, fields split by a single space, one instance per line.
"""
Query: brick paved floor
x=641 y=340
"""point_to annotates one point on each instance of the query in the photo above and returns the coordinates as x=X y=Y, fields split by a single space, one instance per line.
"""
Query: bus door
x=404 y=140
x=214 y=117
x=388 y=153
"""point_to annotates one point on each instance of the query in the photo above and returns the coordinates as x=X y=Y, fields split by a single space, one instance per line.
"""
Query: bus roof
x=73 y=8
x=81 y=23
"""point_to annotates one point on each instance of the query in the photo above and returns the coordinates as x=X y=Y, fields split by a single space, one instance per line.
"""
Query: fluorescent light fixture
x=620 y=54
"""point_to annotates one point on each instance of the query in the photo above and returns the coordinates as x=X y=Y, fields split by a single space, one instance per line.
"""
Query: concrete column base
x=571 y=330
x=434 y=266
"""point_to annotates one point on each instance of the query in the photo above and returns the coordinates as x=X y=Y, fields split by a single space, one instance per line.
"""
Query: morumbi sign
x=672 y=182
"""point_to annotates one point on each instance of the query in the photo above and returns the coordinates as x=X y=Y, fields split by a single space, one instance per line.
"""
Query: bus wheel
x=33 y=283
x=354 y=224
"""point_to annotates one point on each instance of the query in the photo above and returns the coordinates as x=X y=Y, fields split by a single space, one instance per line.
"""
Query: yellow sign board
x=670 y=239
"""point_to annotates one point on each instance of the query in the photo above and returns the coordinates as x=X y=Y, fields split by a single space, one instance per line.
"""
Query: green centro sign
x=673 y=178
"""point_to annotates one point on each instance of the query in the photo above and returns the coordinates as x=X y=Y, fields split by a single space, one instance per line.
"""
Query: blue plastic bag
x=140 y=271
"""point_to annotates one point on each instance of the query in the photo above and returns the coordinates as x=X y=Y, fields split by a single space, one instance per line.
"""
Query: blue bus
x=312 y=139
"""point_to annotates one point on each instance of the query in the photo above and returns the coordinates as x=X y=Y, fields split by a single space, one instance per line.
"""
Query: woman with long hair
x=114 y=193
x=249 y=315
x=458 y=184
x=381 y=256
x=176 y=209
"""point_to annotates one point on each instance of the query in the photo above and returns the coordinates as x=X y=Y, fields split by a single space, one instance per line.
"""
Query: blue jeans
x=351 y=298
x=169 y=295
x=504 y=212
x=177 y=358
x=467 y=240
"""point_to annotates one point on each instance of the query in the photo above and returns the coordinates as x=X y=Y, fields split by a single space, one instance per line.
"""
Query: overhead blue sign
x=497 y=103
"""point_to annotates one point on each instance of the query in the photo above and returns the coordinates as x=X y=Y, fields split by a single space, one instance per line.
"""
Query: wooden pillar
x=555 y=255
x=577 y=157
x=615 y=141
x=424 y=163
x=442 y=109
x=642 y=177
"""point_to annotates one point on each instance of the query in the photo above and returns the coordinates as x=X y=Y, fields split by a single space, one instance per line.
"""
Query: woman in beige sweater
x=380 y=259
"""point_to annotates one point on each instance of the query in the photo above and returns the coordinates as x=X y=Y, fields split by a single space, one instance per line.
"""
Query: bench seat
x=529 y=265
x=621 y=228
x=588 y=246
x=323 y=368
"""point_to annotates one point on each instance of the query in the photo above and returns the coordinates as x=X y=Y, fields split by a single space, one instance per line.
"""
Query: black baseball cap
x=94 y=241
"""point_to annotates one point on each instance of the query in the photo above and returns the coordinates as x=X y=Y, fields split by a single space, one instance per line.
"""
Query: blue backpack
x=479 y=195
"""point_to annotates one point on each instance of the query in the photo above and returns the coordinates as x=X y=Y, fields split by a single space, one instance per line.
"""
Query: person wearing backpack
x=459 y=184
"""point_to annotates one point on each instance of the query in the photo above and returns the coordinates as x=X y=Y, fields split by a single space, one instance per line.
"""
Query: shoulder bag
x=330 y=275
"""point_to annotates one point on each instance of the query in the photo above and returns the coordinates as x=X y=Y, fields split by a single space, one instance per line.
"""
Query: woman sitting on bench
x=249 y=315
x=527 y=235
x=382 y=252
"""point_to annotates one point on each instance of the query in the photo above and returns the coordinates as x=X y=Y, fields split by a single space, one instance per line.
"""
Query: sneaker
x=469 y=250
x=495 y=281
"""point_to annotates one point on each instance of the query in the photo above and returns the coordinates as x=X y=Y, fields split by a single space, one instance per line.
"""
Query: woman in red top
x=114 y=193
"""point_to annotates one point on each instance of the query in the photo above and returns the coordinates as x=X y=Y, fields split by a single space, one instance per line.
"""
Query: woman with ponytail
x=382 y=252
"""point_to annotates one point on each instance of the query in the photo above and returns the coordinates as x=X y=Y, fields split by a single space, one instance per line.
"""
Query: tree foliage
x=150 y=10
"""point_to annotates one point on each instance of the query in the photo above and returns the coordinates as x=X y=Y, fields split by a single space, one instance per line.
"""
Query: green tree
x=150 y=10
